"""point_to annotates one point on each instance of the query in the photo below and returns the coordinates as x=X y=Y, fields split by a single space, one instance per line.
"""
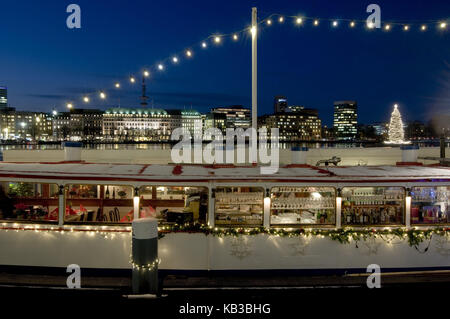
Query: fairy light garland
x=414 y=236
x=147 y=267
x=269 y=21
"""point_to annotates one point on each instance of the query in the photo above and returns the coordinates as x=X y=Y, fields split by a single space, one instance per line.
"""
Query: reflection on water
x=168 y=146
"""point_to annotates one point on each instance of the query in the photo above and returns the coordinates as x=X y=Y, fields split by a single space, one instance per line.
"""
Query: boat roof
x=219 y=172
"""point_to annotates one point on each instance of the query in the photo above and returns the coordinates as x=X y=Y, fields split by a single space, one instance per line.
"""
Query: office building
x=345 y=120
x=237 y=116
x=3 y=97
x=280 y=104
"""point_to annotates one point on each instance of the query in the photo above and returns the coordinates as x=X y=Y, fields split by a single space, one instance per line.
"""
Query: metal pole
x=254 y=69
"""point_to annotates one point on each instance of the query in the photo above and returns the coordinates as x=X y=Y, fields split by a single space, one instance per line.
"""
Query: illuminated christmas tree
x=396 y=134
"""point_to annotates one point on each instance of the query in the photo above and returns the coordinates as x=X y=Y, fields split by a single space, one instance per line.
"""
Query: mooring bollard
x=144 y=257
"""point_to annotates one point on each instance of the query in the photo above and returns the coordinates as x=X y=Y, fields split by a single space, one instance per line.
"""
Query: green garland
x=344 y=236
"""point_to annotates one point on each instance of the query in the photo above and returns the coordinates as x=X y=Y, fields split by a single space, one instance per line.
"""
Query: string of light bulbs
x=270 y=20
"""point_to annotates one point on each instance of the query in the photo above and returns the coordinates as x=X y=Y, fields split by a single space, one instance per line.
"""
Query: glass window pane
x=98 y=203
x=239 y=206
x=430 y=205
x=303 y=205
x=373 y=206
x=174 y=204
x=28 y=201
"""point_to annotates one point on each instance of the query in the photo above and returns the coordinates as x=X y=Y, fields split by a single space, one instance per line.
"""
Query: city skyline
x=69 y=62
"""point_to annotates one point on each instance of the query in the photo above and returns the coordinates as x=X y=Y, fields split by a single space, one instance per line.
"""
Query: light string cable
x=271 y=19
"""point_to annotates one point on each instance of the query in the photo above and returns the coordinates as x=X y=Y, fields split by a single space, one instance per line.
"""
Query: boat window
x=430 y=205
x=174 y=204
x=303 y=206
x=239 y=206
x=373 y=206
x=98 y=203
x=28 y=202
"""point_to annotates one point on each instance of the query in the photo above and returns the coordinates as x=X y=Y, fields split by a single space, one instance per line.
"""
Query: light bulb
x=160 y=67
x=146 y=73
x=299 y=20
x=281 y=19
x=352 y=24
x=175 y=59
x=132 y=79
x=204 y=45
x=316 y=22
x=102 y=95
x=188 y=53
x=217 y=39
x=387 y=27
x=235 y=37
x=269 y=22
x=86 y=99
x=117 y=85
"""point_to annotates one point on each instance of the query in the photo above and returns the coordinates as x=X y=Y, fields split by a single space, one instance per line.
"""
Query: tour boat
x=226 y=217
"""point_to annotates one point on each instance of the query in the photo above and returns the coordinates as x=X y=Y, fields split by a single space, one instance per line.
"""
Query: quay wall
x=349 y=156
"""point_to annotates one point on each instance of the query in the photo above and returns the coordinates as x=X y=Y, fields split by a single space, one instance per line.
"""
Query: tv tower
x=144 y=97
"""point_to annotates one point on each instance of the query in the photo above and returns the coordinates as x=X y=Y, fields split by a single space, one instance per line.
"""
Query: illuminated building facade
x=345 y=119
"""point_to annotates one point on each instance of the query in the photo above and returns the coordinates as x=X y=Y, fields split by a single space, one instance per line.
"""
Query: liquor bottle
x=114 y=193
x=107 y=193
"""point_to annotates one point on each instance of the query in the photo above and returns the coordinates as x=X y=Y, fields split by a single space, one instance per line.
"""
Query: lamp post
x=254 y=30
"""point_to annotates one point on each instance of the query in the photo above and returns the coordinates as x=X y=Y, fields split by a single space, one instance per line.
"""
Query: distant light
x=117 y=85
x=269 y=22
x=160 y=67
x=102 y=95
x=406 y=27
x=38 y=119
x=443 y=25
x=370 y=25
x=335 y=23
x=146 y=73
x=387 y=27
x=85 y=99
x=175 y=59
x=299 y=21
x=396 y=105
x=188 y=53
x=204 y=45
x=235 y=37
x=352 y=24
x=23 y=124
x=55 y=112
x=281 y=19
x=217 y=39
x=132 y=79
x=253 y=30
x=423 y=28
x=316 y=22
x=70 y=105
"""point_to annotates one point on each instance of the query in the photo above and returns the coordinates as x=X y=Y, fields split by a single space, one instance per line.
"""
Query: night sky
x=45 y=64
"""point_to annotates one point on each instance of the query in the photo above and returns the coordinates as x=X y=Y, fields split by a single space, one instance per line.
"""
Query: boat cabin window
x=430 y=205
x=98 y=203
x=303 y=206
x=239 y=206
x=174 y=204
x=373 y=206
x=28 y=202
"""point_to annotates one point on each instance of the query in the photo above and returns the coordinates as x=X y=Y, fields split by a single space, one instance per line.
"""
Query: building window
x=174 y=204
x=430 y=205
x=373 y=206
x=98 y=203
x=28 y=202
x=303 y=206
x=239 y=206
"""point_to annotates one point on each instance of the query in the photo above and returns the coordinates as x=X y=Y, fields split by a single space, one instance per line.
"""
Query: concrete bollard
x=409 y=153
x=144 y=256
x=299 y=155
x=72 y=151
